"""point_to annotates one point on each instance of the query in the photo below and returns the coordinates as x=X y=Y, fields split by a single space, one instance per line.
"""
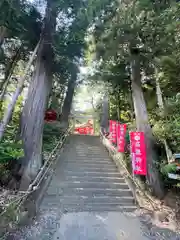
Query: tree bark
x=105 y=114
x=66 y=109
x=3 y=32
x=118 y=105
x=10 y=108
x=32 y=121
x=61 y=100
x=8 y=73
x=162 y=109
x=159 y=95
x=153 y=176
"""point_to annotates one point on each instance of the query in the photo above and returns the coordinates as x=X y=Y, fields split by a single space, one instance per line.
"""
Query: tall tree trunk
x=3 y=32
x=60 y=102
x=105 y=114
x=162 y=109
x=118 y=104
x=32 y=121
x=142 y=123
x=66 y=109
x=159 y=95
x=8 y=73
x=10 y=108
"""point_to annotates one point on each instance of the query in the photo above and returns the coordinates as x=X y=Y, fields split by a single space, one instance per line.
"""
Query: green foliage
x=168 y=168
x=168 y=127
x=17 y=113
x=51 y=135
x=10 y=150
x=161 y=130
x=169 y=74
x=22 y=20
x=155 y=28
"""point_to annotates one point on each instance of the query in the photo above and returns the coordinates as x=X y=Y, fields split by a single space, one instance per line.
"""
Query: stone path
x=87 y=180
x=88 y=199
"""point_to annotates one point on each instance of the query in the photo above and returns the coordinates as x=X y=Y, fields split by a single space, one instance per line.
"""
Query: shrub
x=51 y=135
x=10 y=150
x=168 y=126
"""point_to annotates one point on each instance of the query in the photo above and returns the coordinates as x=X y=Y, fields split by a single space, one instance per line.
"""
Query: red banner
x=112 y=131
x=121 y=132
x=138 y=152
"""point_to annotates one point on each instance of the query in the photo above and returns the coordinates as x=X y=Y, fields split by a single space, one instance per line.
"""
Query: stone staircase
x=97 y=202
x=86 y=179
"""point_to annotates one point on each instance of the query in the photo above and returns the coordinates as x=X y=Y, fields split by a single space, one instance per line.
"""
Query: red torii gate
x=86 y=128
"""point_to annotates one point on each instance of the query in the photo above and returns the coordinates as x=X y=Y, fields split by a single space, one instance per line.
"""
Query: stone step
x=97 y=185
x=90 y=208
x=100 y=156
x=101 y=208
x=80 y=200
x=90 y=157
x=88 y=191
x=86 y=179
x=91 y=179
x=89 y=169
x=87 y=173
x=87 y=163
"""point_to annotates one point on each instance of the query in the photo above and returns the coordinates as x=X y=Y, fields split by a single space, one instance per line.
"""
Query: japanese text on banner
x=112 y=131
x=138 y=152
x=121 y=132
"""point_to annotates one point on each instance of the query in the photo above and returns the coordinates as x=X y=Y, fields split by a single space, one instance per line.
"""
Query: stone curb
x=116 y=157
x=31 y=205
